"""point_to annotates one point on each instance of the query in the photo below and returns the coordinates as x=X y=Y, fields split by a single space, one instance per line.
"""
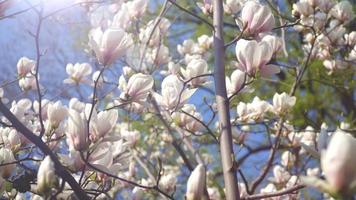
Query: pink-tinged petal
x=269 y=70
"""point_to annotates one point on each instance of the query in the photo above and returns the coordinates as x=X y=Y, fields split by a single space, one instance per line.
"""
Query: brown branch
x=290 y=190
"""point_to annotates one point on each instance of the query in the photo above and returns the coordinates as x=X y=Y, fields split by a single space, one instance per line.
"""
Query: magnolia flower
x=109 y=45
x=78 y=73
x=186 y=48
x=233 y=6
x=282 y=103
x=256 y=18
x=154 y=32
x=302 y=8
x=76 y=131
x=287 y=159
x=103 y=123
x=254 y=111
x=173 y=93
x=342 y=11
x=188 y=118
x=350 y=38
x=102 y=157
x=205 y=42
x=333 y=65
x=121 y=18
x=280 y=174
x=100 y=80
x=137 y=88
x=4 y=5
x=196 y=185
x=28 y=83
x=13 y=140
x=25 y=66
x=253 y=57
x=195 y=68
x=168 y=182
x=46 y=176
x=338 y=161
x=6 y=156
x=136 y=8
x=157 y=56
x=206 y=6
x=274 y=41
x=234 y=84
x=56 y=113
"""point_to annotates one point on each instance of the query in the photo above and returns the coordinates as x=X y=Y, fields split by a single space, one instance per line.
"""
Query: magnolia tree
x=253 y=100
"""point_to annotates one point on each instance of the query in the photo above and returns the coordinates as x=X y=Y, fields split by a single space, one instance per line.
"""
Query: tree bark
x=226 y=146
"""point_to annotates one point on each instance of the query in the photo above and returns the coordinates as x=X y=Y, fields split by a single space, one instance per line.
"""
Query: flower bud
x=25 y=66
x=76 y=131
x=46 y=176
x=257 y=18
x=6 y=156
x=196 y=185
x=338 y=161
x=56 y=113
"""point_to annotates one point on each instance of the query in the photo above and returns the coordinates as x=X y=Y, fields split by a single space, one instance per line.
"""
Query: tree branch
x=226 y=148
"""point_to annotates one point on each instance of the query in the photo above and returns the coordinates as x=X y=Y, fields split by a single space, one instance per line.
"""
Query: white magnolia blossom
x=25 y=66
x=186 y=48
x=233 y=6
x=350 y=38
x=287 y=159
x=235 y=82
x=56 y=113
x=338 y=161
x=302 y=8
x=281 y=175
x=196 y=185
x=256 y=18
x=205 y=42
x=136 y=8
x=103 y=123
x=76 y=131
x=168 y=182
x=254 y=111
x=46 y=176
x=155 y=37
x=110 y=44
x=28 y=83
x=274 y=41
x=173 y=93
x=188 y=121
x=282 y=103
x=100 y=80
x=75 y=104
x=334 y=65
x=6 y=156
x=137 y=88
x=253 y=57
x=194 y=69
x=206 y=6
x=342 y=11
x=78 y=73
